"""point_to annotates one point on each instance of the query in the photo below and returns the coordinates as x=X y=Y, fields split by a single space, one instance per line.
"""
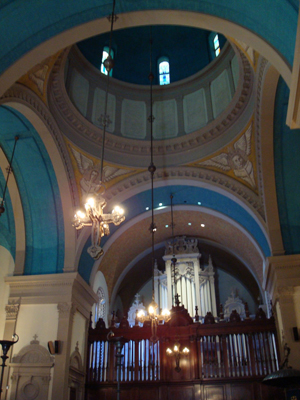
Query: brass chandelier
x=92 y=213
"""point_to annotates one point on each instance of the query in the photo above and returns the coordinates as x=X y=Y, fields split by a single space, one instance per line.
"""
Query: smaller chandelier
x=153 y=318
x=93 y=216
x=177 y=353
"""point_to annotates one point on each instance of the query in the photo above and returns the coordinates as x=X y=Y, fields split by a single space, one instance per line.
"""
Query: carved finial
x=77 y=346
x=35 y=341
x=196 y=315
x=177 y=302
x=113 y=320
x=221 y=312
x=137 y=298
x=210 y=264
x=247 y=311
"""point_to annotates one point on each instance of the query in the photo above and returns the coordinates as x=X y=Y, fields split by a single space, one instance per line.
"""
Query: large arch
x=215 y=206
x=45 y=36
x=54 y=147
x=39 y=192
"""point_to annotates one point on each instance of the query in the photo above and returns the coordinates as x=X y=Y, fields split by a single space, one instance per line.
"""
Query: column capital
x=281 y=271
x=66 y=309
x=12 y=309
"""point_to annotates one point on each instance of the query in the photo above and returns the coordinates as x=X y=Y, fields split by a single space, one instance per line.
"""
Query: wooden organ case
x=226 y=360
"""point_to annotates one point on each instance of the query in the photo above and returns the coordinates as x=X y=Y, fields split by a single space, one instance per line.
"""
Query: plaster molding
x=261 y=71
x=72 y=121
x=66 y=310
x=63 y=288
x=285 y=294
x=281 y=271
x=214 y=178
x=12 y=310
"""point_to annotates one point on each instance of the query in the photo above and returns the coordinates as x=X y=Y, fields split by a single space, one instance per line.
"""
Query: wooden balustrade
x=225 y=350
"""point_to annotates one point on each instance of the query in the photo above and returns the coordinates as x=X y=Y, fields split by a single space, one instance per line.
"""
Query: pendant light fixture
x=93 y=214
x=152 y=316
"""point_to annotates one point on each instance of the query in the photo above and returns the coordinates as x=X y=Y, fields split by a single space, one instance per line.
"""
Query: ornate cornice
x=204 y=175
x=261 y=72
x=72 y=121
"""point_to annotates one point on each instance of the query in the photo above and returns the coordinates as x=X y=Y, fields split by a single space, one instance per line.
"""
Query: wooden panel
x=216 y=392
x=148 y=393
x=242 y=391
x=181 y=393
x=271 y=393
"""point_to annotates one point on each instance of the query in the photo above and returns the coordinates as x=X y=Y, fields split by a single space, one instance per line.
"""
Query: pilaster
x=282 y=281
x=70 y=293
x=12 y=310
x=66 y=313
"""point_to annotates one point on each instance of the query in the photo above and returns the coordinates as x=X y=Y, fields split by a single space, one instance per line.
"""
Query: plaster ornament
x=38 y=77
x=90 y=182
x=236 y=159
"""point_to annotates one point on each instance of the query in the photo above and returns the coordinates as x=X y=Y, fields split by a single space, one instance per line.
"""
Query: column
x=64 y=335
x=197 y=283
x=169 y=281
x=213 y=295
x=12 y=310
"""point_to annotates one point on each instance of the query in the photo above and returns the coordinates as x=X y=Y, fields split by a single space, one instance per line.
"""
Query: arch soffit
x=227 y=234
x=60 y=171
x=45 y=234
x=159 y=245
x=267 y=150
x=17 y=210
x=28 y=58
x=130 y=198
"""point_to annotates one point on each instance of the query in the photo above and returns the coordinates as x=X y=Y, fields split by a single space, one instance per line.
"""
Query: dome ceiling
x=189 y=50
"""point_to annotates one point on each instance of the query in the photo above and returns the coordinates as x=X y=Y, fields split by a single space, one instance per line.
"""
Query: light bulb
x=165 y=313
x=91 y=202
x=176 y=348
x=80 y=214
x=151 y=310
x=185 y=350
x=169 y=351
x=140 y=314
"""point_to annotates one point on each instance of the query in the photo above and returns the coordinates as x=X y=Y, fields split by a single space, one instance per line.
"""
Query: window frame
x=102 y=68
x=159 y=62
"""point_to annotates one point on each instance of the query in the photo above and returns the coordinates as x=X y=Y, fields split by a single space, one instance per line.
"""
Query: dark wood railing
x=224 y=350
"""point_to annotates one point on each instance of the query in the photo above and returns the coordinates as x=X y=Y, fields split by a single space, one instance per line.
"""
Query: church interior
x=149 y=200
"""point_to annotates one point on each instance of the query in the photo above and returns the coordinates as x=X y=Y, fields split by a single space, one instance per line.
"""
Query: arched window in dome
x=105 y=54
x=164 y=71
x=216 y=45
x=100 y=309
